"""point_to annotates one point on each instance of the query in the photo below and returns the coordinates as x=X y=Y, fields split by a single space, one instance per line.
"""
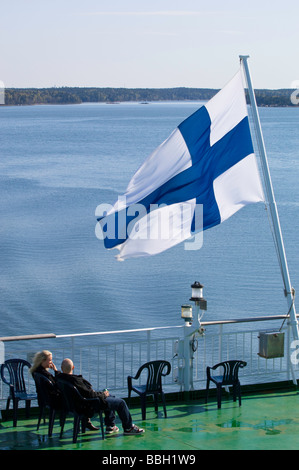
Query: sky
x=147 y=44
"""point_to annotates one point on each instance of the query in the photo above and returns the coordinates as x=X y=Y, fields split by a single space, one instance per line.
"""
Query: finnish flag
x=207 y=162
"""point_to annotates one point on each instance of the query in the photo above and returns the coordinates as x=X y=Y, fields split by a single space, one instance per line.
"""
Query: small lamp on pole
x=186 y=314
x=198 y=299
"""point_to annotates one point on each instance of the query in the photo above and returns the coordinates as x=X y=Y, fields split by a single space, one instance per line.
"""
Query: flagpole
x=272 y=203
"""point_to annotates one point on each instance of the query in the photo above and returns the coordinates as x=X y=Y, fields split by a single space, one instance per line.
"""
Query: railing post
x=73 y=347
x=188 y=362
x=148 y=334
x=220 y=342
x=288 y=351
x=290 y=365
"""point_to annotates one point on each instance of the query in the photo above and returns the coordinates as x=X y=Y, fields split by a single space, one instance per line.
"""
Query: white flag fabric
x=207 y=161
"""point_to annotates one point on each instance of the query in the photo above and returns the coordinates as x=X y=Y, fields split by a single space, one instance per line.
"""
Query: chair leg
x=102 y=424
x=156 y=402
x=28 y=403
x=129 y=398
x=143 y=406
x=62 y=422
x=83 y=425
x=207 y=390
x=62 y=417
x=15 y=411
x=51 y=421
x=164 y=404
x=41 y=414
x=234 y=392
x=239 y=392
x=76 y=428
x=219 y=395
x=7 y=404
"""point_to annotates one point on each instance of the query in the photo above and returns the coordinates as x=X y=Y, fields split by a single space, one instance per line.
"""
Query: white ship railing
x=107 y=358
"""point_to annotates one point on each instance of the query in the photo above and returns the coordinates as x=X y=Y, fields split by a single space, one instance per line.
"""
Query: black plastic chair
x=17 y=385
x=230 y=376
x=153 y=385
x=47 y=398
x=79 y=407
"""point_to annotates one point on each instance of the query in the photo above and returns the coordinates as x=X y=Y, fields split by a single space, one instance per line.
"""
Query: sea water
x=58 y=163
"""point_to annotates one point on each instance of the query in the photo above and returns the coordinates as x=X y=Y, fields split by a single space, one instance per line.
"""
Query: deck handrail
x=206 y=323
x=27 y=337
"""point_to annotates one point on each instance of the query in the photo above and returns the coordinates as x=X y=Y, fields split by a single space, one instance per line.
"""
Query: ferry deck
x=268 y=419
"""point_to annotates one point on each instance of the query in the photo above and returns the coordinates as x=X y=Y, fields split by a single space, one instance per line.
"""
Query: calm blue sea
x=58 y=163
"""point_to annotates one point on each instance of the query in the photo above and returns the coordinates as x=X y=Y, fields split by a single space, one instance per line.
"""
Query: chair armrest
x=6 y=382
x=130 y=382
x=136 y=376
x=130 y=378
x=215 y=367
x=3 y=367
x=209 y=369
x=164 y=374
x=91 y=400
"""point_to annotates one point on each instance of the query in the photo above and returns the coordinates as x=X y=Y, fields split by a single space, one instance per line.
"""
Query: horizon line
x=130 y=87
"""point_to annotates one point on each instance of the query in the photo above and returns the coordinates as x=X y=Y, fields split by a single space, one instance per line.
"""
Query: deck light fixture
x=186 y=313
x=200 y=307
x=197 y=295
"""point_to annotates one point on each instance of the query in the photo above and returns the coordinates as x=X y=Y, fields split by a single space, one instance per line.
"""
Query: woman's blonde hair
x=38 y=359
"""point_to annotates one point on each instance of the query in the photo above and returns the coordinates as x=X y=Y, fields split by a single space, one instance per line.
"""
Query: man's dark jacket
x=84 y=387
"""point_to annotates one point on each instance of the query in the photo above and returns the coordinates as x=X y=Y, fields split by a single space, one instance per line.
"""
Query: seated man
x=107 y=403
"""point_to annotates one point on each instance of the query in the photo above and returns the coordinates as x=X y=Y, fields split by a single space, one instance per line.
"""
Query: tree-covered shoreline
x=77 y=95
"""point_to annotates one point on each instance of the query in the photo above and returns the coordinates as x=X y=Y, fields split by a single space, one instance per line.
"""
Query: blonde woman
x=42 y=362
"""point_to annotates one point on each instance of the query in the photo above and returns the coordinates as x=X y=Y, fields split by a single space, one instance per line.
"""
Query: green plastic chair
x=153 y=386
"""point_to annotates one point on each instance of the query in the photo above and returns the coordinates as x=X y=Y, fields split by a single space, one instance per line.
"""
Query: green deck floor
x=265 y=421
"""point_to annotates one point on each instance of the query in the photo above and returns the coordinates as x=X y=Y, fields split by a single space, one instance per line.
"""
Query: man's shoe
x=91 y=427
x=111 y=429
x=133 y=431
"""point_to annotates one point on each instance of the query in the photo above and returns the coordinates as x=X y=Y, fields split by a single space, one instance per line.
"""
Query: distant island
x=77 y=95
